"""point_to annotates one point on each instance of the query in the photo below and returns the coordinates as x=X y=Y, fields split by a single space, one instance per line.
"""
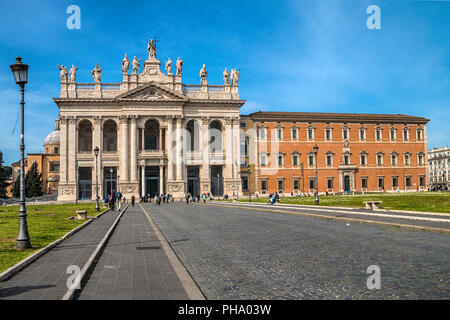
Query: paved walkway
x=46 y=277
x=133 y=265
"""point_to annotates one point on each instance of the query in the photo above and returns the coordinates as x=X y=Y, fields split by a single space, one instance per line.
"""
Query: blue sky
x=316 y=56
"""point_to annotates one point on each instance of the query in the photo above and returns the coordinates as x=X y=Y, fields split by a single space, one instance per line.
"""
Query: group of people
x=190 y=198
x=164 y=198
x=114 y=200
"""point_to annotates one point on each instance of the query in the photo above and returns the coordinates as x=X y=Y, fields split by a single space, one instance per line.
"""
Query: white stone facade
x=154 y=134
x=439 y=168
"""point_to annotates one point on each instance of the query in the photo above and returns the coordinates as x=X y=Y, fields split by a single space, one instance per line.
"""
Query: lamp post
x=316 y=148
x=20 y=72
x=97 y=208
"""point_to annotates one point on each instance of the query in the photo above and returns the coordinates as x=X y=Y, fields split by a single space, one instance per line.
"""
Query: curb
x=348 y=208
x=9 y=273
x=192 y=289
x=90 y=263
x=391 y=224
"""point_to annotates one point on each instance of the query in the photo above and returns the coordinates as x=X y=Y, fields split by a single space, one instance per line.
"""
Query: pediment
x=152 y=92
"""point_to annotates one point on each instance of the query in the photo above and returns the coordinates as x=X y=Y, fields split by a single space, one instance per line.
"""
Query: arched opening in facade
x=151 y=135
x=85 y=136
x=110 y=136
x=193 y=134
x=215 y=136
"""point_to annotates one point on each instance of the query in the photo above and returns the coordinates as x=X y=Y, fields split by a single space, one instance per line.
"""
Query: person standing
x=133 y=199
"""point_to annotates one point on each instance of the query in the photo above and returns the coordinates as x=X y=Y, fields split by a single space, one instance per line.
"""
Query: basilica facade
x=150 y=134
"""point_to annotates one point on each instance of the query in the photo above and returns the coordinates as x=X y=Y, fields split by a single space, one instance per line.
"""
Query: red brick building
x=356 y=152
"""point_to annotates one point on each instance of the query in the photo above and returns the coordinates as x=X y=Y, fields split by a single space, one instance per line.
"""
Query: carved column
x=97 y=139
x=179 y=148
x=228 y=149
x=72 y=149
x=143 y=184
x=63 y=150
x=169 y=148
x=133 y=146
x=237 y=153
x=161 y=178
x=204 y=146
x=124 y=148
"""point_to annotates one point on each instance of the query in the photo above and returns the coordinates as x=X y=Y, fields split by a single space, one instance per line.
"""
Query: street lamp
x=97 y=208
x=20 y=72
x=316 y=148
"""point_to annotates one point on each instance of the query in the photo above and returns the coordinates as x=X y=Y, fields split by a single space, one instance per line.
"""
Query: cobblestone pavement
x=441 y=221
x=46 y=277
x=248 y=254
x=133 y=265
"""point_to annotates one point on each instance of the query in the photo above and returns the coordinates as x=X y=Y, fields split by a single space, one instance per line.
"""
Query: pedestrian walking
x=133 y=199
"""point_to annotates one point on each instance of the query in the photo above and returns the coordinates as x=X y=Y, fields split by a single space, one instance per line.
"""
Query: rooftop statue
x=64 y=73
x=151 y=48
x=179 y=66
x=136 y=65
x=73 y=74
x=203 y=75
x=97 y=74
x=125 y=64
x=226 y=76
x=235 y=77
x=169 y=67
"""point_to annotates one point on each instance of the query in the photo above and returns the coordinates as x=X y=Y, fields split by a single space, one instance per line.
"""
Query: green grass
x=420 y=201
x=46 y=224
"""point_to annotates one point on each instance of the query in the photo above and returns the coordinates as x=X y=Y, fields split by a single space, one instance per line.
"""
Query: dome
x=53 y=137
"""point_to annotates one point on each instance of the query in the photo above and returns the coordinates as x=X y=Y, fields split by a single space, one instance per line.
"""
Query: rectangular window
x=346 y=159
x=262 y=133
x=363 y=159
x=407 y=159
x=329 y=160
x=280 y=160
x=381 y=182
x=244 y=183
x=394 y=159
x=56 y=150
x=345 y=134
x=394 y=182
x=408 y=181
x=263 y=160
x=312 y=184
x=328 y=134
x=405 y=134
x=378 y=134
x=294 y=133
x=296 y=184
x=310 y=134
x=379 y=159
x=392 y=134
x=263 y=185
x=421 y=181
x=243 y=125
x=420 y=159
x=362 y=134
x=330 y=183
x=311 y=160
x=280 y=184
x=279 y=133
x=54 y=167
x=364 y=182
x=419 y=134
x=295 y=160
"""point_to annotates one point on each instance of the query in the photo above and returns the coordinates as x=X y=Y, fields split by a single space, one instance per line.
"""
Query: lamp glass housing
x=20 y=71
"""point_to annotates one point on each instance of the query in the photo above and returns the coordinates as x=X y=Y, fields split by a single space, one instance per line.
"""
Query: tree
x=33 y=182
x=5 y=173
